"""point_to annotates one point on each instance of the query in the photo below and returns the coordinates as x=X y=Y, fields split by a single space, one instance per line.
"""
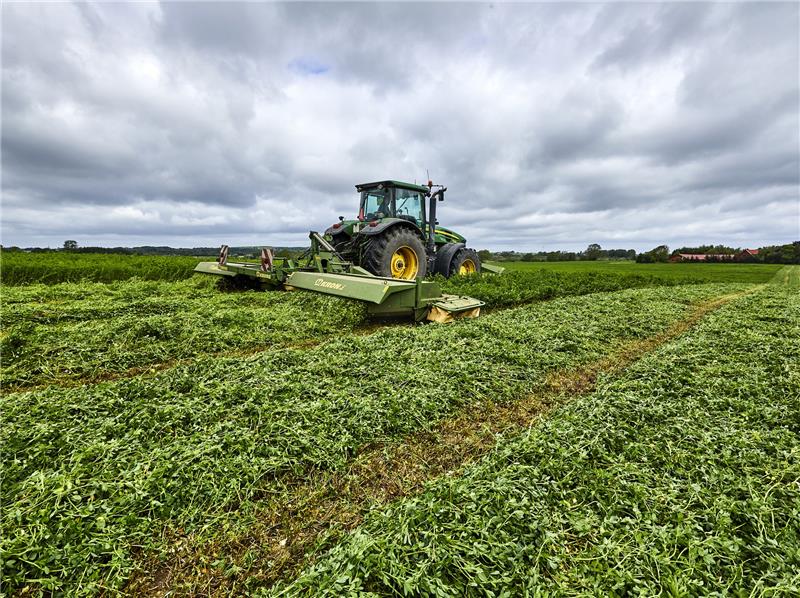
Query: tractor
x=380 y=258
x=394 y=235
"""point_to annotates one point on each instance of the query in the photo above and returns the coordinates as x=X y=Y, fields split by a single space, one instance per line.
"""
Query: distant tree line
x=780 y=254
x=655 y=255
x=244 y=251
x=706 y=249
x=772 y=254
x=592 y=252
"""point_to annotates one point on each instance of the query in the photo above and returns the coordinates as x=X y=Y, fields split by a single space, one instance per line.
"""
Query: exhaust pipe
x=431 y=245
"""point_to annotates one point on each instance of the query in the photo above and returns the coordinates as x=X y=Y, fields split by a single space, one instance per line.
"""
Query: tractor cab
x=392 y=199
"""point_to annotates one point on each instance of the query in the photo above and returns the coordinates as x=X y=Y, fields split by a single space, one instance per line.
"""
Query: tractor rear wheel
x=397 y=253
x=464 y=262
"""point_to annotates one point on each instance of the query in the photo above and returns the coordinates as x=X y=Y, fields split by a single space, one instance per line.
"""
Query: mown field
x=595 y=431
x=679 y=477
x=74 y=332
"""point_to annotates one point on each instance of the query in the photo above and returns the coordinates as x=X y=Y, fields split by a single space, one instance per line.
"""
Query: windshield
x=375 y=201
x=409 y=205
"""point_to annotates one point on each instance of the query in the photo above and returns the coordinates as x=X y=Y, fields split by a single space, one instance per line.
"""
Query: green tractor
x=380 y=258
x=394 y=235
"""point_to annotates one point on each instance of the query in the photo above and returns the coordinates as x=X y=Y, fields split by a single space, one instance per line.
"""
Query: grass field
x=673 y=271
x=73 y=332
x=19 y=268
x=600 y=431
x=680 y=477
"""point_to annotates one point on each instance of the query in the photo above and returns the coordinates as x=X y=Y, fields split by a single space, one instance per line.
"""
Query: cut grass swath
x=90 y=472
x=682 y=477
x=68 y=333
x=88 y=332
x=289 y=528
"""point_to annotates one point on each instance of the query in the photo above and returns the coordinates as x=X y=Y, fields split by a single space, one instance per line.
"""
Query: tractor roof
x=400 y=184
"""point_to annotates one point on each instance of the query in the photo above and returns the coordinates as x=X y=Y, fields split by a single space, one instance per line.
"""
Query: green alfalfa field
x=599 y=430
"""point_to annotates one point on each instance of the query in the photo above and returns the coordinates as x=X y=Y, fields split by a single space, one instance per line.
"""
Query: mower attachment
x=323 y=270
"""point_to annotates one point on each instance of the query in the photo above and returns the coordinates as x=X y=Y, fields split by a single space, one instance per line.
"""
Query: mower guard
x=213 y=268
x=492 y=269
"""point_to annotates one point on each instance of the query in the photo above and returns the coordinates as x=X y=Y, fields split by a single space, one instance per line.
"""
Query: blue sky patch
x=308 y=66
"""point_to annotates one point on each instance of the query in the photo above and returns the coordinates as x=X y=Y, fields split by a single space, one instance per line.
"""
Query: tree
x=657 y=254
x=485 y=255
x=781 y=254
x=593 y=252
x=660 y=253
x=70 y=245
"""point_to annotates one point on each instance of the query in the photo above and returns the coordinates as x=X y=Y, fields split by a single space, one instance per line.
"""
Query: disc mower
x=381 y=257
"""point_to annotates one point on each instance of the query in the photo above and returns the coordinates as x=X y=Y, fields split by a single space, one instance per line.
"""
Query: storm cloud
x=553 y=126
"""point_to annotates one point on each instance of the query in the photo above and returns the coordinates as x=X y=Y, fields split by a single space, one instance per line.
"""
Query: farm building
x=747 y=255
x=702 y=257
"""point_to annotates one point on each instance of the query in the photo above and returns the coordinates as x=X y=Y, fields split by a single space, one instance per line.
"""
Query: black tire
x=340 y=242
x=377 y=255
x=462 y=258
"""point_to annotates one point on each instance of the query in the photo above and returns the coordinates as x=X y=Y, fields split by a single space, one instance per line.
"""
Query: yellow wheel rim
x=404 y=263
x=467 y=267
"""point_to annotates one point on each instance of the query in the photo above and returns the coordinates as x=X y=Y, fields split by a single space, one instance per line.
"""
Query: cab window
x=375 y=202
x=408 y=205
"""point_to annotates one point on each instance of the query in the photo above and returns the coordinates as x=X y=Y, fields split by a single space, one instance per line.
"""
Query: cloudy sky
x=553 y=126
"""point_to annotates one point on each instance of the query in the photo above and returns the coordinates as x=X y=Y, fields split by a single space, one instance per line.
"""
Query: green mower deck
x=322 y=271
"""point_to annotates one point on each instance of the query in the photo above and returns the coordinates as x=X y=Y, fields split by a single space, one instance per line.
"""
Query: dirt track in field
x=325 y=505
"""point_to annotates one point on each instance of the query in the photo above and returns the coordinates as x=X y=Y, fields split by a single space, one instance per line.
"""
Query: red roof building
x=702 y=257
x=747 y=255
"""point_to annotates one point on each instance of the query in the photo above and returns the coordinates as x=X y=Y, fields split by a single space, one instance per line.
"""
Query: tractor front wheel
x=397 y=253
x=465 y=262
